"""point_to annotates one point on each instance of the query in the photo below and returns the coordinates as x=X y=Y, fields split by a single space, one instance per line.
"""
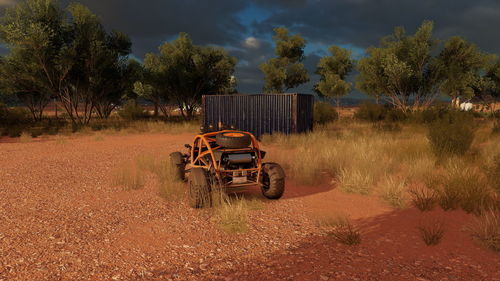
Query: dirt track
x=62 y=219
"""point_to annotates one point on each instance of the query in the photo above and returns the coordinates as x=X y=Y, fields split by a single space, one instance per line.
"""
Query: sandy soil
x=62 y=219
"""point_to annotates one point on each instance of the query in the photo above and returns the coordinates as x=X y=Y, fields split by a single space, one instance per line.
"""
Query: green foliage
x=285 y=71
x=333 y=71
x=461 y=63
x=370 y=112
x=185 y=71
x=69 y=55
x=324 y=112
x=401 y=69
x=13 y=121
x=132 y=111
x=452 y=134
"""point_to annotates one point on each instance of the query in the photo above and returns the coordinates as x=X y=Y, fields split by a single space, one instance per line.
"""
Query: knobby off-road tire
x=273 y=181
x=199 y=189
x=233 y=140
x=179 y=165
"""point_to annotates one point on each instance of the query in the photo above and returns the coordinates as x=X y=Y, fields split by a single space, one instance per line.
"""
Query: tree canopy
x=333 y=71
x=182 y=72
x=65 y=55
x=286 y=71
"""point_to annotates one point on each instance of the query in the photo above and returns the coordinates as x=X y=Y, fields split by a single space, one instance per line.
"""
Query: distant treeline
x=67 y=55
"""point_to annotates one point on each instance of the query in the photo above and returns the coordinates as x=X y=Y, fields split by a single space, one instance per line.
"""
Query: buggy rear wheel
x=179 y=165
x=199 y=189
x=273 y=181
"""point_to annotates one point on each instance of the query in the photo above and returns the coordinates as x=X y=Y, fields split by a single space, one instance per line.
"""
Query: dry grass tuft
x=232 y=214
x=170 y=188
x=423 y=198
x=341 y=229
x=99 y=137
x=465 y=187
x=355 y=181
x=25 y=137
x=394 y=192
x=432 y=232
x=486 y=230
x=129 y=176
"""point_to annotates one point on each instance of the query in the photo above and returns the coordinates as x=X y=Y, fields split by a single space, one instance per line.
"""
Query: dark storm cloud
x=244 y=27
x=149 y=23
x=362 y=22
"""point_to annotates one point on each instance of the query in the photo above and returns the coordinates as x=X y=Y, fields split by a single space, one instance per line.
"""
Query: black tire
x=273 y=181
x=199 y=189
x=233 y=140
x=177 y=161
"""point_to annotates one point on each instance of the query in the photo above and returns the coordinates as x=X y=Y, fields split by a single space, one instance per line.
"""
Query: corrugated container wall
x=260 y=114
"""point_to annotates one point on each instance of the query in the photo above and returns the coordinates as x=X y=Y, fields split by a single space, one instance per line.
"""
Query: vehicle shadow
x=292 y=190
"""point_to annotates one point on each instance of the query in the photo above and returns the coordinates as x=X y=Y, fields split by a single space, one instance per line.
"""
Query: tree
x=402 y=70
x=16 y=79
x=187 y=71
x=461 y=64
x=286 y=71
x=152 y=87
x=73 y=57
x=333 y=71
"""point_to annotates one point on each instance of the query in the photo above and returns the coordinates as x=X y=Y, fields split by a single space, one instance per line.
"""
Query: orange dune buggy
x=226 y=159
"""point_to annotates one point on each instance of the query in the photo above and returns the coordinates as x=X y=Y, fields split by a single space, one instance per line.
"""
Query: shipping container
x=261 y=113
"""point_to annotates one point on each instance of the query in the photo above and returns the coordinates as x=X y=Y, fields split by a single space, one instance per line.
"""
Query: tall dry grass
x=365 y=160
x=486 y=229
x=170 y=188
x=129 y=176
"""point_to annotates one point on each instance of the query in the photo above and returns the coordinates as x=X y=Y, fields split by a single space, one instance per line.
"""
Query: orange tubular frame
x=203 y=141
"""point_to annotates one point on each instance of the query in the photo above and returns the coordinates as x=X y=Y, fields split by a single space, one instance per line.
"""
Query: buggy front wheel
x=199 y=189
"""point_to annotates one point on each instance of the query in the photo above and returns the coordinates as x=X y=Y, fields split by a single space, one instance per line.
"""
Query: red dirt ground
x=62 y=219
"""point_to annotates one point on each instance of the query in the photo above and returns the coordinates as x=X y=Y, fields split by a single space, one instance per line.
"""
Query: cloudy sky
x=244 y=28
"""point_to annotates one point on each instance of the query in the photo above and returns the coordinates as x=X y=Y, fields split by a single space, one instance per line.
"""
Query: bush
x=452 y=134
x=431 y=232
x=465 y=187
x=324 y=112
x=432 y=114
x=371 y=112
x=393 y=192
x=423 y=198
x=132 y=111
x=13 y=121
x=342 y=230
x=395 y=115
x=486 y=230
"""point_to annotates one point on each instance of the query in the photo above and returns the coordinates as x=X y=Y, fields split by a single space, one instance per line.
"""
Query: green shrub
x=371 y=112
x=395 y=115
x=432 y=114
x=324 y=112
x=452 y=134
x=132 y=111
x=13 y=116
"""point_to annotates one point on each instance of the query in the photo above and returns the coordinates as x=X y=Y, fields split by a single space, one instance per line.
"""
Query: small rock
x=323 y=277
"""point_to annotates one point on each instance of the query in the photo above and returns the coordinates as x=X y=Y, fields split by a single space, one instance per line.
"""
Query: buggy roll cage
x=204 y=146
